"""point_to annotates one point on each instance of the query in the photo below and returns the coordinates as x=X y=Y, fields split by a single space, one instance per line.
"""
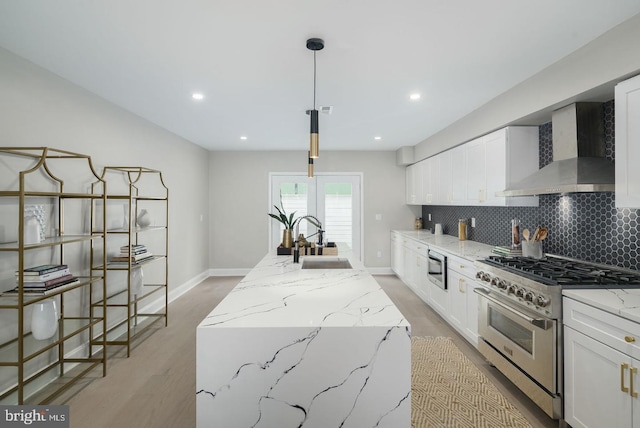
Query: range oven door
x=525 y=338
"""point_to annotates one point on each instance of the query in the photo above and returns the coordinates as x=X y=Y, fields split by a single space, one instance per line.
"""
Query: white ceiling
x=248 y=57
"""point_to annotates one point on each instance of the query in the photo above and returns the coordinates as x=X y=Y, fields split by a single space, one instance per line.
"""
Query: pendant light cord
x=314 y=80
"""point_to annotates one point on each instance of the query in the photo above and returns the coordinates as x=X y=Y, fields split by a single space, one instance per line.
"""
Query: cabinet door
x=414 y=184
x=444 y=180
x=457 y=300
x=458 y=176
x=396 y=253
x=471 y=327
x=476 y=172
x=496 y=171
x=594 y=376
x=430 y=180
x=627 y=131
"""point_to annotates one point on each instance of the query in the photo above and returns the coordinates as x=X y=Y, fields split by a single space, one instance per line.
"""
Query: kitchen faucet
x=316 y=223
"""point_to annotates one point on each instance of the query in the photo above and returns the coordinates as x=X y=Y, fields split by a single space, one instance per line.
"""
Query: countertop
x=622 y=302
x=279 y=293
x=470 y=250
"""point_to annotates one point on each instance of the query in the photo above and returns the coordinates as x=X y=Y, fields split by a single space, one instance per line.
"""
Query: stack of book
x=507 y=251
x=45 y=278
x=136 y=254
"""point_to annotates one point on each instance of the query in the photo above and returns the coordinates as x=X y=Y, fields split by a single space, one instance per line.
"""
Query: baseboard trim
x=229 y=272
x=380 y=271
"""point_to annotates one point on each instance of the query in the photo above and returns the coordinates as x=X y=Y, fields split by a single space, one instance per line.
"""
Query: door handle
x=623 y=367
x=632 y=372
x=538 y=322
x=461 y=285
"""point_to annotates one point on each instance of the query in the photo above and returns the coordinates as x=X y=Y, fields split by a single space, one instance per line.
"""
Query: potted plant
x=289 y=222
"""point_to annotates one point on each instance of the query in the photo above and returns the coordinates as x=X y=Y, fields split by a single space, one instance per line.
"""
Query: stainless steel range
x=520 y=317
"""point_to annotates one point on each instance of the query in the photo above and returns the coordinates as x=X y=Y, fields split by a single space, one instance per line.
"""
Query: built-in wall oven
x=437 y=268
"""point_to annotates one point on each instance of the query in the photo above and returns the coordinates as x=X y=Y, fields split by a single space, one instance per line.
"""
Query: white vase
x=44 y=319
x=136 y=281
x=144 y=219
x=31 y=231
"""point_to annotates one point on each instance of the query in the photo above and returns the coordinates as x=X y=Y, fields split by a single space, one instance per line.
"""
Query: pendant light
x=310 y=167
x=314 y=150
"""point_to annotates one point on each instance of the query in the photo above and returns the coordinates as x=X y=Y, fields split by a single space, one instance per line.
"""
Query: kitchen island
x=293 y=347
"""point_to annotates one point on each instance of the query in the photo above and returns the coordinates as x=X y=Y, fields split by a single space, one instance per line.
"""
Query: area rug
x=448 y=390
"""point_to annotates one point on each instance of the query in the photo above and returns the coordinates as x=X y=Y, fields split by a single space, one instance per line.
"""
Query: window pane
x=294 y=199
x=338 y=212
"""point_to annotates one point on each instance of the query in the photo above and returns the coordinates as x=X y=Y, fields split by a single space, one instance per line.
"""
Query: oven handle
x=540 y=323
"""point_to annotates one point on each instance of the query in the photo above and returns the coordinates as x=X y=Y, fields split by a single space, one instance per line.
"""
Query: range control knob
x=485 y=277
x=520 y=292
x=541 y=301
x=503 y=284
x=511 y=289
x=529 y=296
x=495 y=280
x=479 y=274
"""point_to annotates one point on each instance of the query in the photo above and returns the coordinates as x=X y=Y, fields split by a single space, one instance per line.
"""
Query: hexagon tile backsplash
x=585 y=226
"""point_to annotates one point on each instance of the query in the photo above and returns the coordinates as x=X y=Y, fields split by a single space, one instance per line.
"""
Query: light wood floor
x=155 y=387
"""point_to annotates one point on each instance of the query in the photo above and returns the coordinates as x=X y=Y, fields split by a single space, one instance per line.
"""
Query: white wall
x=239 y=201
x=38 y=108
x=589 y=74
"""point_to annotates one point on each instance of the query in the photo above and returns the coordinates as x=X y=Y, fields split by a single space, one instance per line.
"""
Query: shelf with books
x=45 y=203
x=138 y=200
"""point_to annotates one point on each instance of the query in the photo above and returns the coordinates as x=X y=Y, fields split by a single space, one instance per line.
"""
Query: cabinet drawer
x=612 y=330
x=462 y=266
x=415 y=246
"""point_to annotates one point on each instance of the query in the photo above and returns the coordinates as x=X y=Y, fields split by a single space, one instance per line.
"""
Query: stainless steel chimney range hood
x=579 y=162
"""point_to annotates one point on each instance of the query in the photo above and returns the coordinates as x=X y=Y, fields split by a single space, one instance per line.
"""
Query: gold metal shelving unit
x=36 y=371
x=136 y=188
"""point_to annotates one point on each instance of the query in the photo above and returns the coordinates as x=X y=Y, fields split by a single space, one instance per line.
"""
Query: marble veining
x=622 y=302
x=471 y=250
x=304 y=348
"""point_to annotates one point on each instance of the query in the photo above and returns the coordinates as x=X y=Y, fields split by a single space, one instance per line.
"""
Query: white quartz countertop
x=621 y=302
x=278 y=293
x=470 y=250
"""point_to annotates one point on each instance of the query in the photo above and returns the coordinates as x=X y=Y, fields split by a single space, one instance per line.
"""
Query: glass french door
x=334 y=199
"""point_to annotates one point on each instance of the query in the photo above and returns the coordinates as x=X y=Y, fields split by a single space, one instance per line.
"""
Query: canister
x=462 y=229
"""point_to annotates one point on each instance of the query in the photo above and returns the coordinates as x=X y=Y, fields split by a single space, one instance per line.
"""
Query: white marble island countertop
x=277 y=293
x=622 y=302
x=307 y=348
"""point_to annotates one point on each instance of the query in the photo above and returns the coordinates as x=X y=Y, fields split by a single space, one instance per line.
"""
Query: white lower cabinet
x=601 y=383
x=463 y=302
x=458 y=305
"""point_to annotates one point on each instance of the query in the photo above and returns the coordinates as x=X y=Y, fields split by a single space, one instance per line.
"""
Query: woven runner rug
x=448 y=390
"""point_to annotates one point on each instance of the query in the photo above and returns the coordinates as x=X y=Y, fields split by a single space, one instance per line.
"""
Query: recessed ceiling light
x=197 y=96
x=243 y=137
x=414 y=96
x=377 y=138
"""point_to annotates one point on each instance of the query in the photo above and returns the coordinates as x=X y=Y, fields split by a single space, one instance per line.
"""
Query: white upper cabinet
x=472 y=173
x=627 y=143
x=414 y=184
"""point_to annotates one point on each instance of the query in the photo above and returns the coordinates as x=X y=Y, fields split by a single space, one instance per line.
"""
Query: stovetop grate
x=564 y=272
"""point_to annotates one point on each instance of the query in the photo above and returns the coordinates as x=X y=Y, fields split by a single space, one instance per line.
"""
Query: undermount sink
x=322 y=262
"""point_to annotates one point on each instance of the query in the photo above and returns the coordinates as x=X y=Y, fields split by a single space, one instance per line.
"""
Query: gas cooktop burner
x=562 y=272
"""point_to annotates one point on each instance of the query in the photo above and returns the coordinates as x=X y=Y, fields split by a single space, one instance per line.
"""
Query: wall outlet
x=378 y=217
x=473 y=222
x=379 y=254
x=429 y=216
